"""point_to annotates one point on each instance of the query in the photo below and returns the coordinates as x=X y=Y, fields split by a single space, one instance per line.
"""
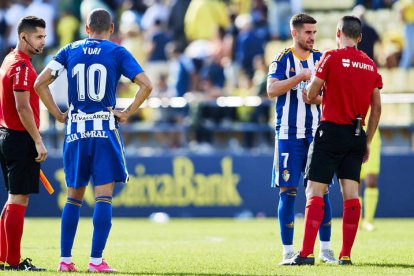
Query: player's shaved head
x=99 y=21
x=350 y=26
x=298 y=20
x=30 y=23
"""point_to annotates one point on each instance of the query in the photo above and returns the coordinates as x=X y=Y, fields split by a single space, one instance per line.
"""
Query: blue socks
x=326 y=225
x=102 y=222
x=69 y=224
x=286 y=214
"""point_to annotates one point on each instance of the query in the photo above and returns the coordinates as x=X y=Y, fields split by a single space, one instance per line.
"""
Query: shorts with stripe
x=97 y=154
x=17 y=156
x=335 y=149
x=289 y=161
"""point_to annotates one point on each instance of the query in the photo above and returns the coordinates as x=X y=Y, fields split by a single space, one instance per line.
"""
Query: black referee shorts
x=335 y=149
x=17 y=156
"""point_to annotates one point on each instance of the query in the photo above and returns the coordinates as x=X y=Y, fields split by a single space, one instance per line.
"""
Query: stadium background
x=202 y=146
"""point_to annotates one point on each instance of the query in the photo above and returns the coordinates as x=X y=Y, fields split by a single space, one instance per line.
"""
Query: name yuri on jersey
x=87 y=134
x=91 y=51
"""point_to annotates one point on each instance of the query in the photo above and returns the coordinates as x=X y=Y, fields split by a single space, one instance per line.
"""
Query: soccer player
x=21 y=146
x=296 y=122
x=93 y=146
x=351 y=85
x=369 y=176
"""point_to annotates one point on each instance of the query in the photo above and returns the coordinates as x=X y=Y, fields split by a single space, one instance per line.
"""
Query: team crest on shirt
x=292 y=69
x=272 y=68
x=286 y=175
x=346 y=62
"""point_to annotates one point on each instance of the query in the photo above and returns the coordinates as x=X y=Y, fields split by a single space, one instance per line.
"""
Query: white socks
x=325 y=245
x=96 y=261
x=287 y=248
x=66 y=260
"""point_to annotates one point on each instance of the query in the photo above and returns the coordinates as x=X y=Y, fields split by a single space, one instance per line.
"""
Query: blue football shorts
x=96 y=154
x=289 y=161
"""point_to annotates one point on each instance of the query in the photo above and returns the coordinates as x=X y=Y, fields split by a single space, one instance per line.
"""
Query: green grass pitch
x=218 y=247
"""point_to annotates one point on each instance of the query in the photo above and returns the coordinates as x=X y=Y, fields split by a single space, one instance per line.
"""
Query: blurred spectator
x=86 y=7
x=259 y=16
x=248 y=44
x=158 y=38
x=393 y=44
x=212 y=79
x=73 y=6
x=176 y=21
x=212 y=72
x=157 y=11
x=369 y=35
x=181 y=69
x=132 y=40
x=204 y=17
x=67 y=28
x=406 y=10
x=13 y=14
x=373 y=4
x=46 y=10
x=129 y=15
x=240 y=6
x=280 y=12
x=3 y=27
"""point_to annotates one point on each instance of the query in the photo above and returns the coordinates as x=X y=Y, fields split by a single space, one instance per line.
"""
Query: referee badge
x=286 y=175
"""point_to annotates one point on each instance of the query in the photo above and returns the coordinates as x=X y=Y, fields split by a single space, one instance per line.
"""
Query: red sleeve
x=23 y=78
x=323 y=66
x=378 y=82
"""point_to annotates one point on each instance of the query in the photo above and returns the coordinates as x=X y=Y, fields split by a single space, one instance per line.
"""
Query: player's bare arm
x=317 y=100
x=276 y=87
x=314 y=89
x=42 y=89
x=25 y=112
x=373 y=119
x=145 y=88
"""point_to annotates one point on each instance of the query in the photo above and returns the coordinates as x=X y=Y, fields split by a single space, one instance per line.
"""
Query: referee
x=351 y=84
x=21 y=146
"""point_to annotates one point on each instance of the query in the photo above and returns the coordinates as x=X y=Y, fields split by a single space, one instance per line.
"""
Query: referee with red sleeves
x=21 y=146
x=351 y=83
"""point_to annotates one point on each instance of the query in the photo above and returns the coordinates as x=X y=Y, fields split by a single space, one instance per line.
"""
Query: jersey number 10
x=94 y=93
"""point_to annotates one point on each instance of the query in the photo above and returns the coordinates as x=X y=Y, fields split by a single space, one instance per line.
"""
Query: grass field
x=218 y=247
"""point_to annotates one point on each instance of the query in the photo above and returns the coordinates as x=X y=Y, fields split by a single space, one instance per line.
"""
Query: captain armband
x=56 y=68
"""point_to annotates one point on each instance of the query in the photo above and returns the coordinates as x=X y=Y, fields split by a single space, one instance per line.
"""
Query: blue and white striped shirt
x=93 y=67
x=294 y=118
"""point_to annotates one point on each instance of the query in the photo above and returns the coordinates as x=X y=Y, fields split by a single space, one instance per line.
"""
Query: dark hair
x=299 y=19
x=30 y=23
x=99 y=20
x=350 y=26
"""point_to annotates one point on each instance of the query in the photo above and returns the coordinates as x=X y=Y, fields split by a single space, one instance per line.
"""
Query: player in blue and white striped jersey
x=93 y=147
x=296 y=123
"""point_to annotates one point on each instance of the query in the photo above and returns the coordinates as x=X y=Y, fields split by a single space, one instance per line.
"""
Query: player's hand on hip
x=41 y=152
x=63 y=117
x=120 y=116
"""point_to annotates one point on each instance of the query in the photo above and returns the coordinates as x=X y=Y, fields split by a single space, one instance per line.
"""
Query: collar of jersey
x=298 y=57
x=22 y=54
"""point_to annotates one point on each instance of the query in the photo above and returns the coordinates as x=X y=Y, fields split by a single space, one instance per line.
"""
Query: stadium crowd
x=200 y=50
